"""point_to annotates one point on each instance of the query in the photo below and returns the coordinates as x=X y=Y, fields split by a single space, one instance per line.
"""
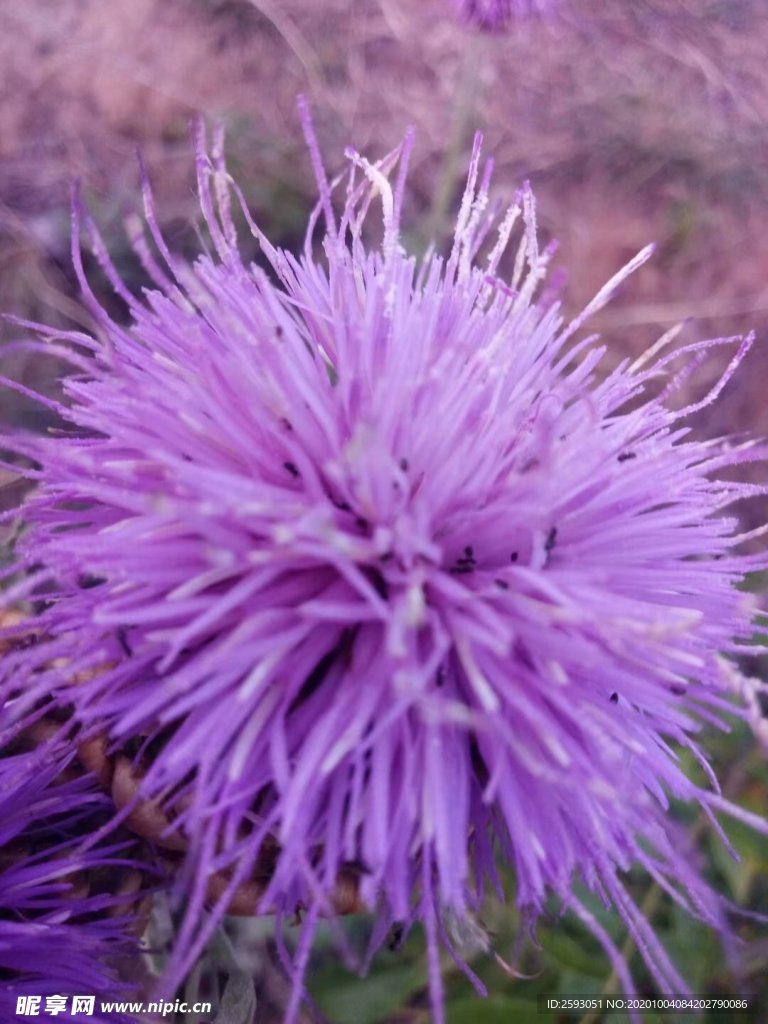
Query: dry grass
x=650 y=123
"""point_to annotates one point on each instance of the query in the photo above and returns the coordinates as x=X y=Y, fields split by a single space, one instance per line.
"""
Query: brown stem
x=146 y=816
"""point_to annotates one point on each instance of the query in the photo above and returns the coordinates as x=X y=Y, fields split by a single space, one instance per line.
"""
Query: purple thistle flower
x=59 y=934
x=387 y=572
x=496 y=14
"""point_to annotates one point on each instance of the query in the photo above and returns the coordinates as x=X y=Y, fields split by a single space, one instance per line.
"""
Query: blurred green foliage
x=569 y=961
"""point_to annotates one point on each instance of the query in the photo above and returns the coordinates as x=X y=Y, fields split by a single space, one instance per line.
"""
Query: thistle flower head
x=61 y=932
x=387 y=572
x=497 y=14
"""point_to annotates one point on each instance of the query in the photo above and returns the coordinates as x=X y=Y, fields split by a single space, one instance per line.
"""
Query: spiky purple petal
x=58 y=934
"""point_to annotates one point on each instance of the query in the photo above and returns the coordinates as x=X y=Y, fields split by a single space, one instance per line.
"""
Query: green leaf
x=346 y=999
x=493 y=1010
x=693 y=946
x=570 y=953
x=648 y=1018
